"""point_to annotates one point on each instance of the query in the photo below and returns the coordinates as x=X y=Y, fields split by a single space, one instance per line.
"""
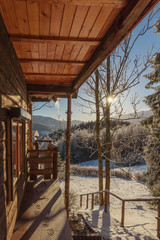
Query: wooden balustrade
x=43 y=162
x=123 y=204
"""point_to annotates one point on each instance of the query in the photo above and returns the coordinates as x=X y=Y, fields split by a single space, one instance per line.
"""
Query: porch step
x=109 y=228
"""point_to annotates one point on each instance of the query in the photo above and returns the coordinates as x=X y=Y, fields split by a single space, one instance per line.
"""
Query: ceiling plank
x=52 y=40
x=26 y=61
x=113 y=3
x=125 y=22
x=56 y=18
x=22 y=16
x=33 y=17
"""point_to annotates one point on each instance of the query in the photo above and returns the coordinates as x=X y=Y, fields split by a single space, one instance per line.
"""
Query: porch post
x=30 y=127
x=68 y=150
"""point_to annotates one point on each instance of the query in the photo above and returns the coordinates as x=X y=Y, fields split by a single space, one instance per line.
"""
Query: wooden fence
x=107 y=193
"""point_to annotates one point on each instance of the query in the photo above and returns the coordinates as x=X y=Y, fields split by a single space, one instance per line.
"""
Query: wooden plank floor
x=42 y=215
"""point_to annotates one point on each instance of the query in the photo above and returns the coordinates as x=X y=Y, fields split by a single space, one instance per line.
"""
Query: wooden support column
x=158 y=220
x=68 y=155
x=30 y=127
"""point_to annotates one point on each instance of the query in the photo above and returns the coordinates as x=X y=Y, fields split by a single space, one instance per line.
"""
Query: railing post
x=55 y=167
x=92 y=206
x=123 y=211
x=158 y=220
x=105 y=201
x=80 y=200
x=87 y=201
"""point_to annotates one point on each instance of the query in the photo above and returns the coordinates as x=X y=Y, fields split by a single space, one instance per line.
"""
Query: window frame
x=20 y=156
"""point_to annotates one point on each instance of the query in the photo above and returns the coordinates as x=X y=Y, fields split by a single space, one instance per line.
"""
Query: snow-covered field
x=140 y=221
x=91 y=163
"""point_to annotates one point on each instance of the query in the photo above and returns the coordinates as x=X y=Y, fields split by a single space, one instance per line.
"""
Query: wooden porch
x=42 y=214
x=48 y=49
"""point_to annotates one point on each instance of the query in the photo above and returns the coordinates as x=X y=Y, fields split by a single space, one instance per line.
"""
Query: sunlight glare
x=110 y=99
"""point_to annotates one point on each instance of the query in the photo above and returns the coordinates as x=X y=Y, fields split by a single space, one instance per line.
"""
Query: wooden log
x=123 y=211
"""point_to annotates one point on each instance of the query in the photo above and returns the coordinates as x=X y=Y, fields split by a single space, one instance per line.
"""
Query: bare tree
x=117 y=76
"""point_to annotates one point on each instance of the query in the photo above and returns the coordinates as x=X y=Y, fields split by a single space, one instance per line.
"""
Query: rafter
x=33 y=60
x=49 y=74
x=54 y=40
x=37 y=88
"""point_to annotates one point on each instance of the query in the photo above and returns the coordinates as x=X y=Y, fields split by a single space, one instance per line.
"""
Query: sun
x=110 y=99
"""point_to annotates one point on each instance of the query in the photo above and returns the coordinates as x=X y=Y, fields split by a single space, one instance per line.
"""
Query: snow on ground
x=140 y=218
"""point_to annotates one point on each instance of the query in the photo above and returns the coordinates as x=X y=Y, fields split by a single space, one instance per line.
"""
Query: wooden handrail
x=123 y=204
x=42 y=151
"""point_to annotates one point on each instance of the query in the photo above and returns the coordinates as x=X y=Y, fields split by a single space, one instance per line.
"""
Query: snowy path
x=140 y=219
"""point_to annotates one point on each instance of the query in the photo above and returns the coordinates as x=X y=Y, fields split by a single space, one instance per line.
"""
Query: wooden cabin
x=48 y=49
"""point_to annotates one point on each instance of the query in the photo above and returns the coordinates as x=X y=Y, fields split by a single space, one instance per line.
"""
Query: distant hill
x=45 y=125
x=141 y=115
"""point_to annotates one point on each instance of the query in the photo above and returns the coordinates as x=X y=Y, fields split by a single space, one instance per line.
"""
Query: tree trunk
x=68 y=156
x=107 y=119
x=98 y=138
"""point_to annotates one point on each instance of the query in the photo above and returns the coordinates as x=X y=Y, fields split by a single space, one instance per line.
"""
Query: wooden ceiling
x=59 y=43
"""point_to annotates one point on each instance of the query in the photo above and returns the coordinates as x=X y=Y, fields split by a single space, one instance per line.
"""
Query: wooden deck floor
x=42 y=215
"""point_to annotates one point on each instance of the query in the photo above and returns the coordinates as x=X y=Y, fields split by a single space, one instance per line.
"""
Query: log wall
x=13 y=93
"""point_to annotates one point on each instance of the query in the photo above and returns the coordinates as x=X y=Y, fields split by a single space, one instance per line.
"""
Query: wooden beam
x=109 y=3
x=66 y=95
x=40 y=171
x=39 y=99
x=30 y=127
x=40 y=160
x=35 y=88
x=129 y=17
x=77 y=63
x=68 y=155
x=54 y=40
x=49 y=74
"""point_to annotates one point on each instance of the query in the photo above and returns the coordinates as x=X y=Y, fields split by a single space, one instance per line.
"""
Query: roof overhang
x=60 y=43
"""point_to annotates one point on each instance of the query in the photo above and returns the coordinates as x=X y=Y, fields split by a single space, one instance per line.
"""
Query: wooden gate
x=43 y=162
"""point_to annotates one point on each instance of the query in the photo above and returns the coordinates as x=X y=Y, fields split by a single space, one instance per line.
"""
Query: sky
x=145 y=43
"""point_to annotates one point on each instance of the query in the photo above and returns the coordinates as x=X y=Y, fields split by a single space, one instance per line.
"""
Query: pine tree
x=152 y=149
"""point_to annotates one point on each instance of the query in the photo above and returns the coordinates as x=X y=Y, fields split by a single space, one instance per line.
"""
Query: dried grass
x=93 y=172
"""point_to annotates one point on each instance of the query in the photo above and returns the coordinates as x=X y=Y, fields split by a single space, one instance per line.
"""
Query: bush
x=140 y=176
x=93 y=172
x=121 y=174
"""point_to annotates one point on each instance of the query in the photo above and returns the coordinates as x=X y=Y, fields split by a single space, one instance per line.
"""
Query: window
x=18 y=150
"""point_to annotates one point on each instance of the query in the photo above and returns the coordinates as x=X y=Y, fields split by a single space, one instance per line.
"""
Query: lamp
x=36 y=134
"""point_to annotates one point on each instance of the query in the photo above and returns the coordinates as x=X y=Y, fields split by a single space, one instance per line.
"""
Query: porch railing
x=43 y=162
x=107 y=193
